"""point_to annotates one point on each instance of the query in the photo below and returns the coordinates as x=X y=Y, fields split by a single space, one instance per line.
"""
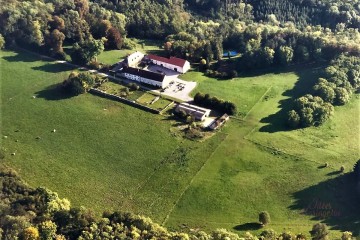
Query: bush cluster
x=78 y=83
x=221 y=74
x=205 y=100
x=342 y=79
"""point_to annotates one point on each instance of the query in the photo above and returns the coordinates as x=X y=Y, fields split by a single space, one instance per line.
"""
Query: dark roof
x=172 y=60
x=145 y=74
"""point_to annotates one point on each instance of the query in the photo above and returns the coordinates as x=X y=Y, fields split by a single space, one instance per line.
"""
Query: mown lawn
x=159 y=104
x=128 y=159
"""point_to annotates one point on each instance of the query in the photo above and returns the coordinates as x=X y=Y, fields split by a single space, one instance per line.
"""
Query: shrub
x=129 y=44
x=215 y=103
x=233 y=74
x=133 y=86
x=342 y=169
x=346 y=236
x=78 y=83
x=94 y=65
x=268 y=234
x=264 y=218
x=319 y=232
x=2 y=42
x=293 y=119
x=59 y=55
x=31 y=233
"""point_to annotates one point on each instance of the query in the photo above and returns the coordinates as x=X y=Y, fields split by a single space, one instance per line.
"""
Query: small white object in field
x=13 y=154
x=16 y=140
x=34 y=96
x=54 y=130
x=38 y=137
x=105 y=109
x=5 y=136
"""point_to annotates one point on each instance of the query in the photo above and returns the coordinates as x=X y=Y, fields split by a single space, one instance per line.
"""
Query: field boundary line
x=190 y=183
x=285 y=153
x=257 y=102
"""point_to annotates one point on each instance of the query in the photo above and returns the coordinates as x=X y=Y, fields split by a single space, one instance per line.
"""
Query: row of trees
x=302 y=12
x=205 y=100
x=39 y=214
x=261 y=45
x=342 y=79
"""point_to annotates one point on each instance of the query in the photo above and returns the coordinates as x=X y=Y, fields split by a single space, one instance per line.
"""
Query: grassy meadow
x=107 y=155
x=263 y=166
x=103 y=152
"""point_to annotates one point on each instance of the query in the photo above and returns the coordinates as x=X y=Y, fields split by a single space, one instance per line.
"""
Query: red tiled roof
x=172 y=60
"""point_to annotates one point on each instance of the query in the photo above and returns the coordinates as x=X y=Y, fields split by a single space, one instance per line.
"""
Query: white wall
x=134 y=58
x=144 y=80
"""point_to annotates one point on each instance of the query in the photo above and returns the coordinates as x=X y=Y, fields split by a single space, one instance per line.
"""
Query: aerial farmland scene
x=180 y=119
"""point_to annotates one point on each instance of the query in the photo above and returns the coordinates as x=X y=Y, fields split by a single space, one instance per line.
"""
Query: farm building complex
x=128 y=68
x=197 y=112
x=143 y=76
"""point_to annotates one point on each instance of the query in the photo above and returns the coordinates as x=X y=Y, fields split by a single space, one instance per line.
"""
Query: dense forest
x=265 y=33
x=39 y=214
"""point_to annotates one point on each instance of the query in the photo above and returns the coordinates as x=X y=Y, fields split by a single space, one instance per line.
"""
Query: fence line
x=123 y=100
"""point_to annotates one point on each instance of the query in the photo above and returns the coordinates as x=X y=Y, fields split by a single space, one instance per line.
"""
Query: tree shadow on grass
x=248 y=227
x=54 y=67
x=23 y=57
x=306 y=80
x=333 y=202
x=53 y=93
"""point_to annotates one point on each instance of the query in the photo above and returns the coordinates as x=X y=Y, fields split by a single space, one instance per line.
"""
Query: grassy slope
x=126 y=158
x=263 y=167
x=244 y=92
x=102 y=159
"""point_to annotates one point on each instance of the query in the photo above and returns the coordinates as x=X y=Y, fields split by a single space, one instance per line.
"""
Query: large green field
x=128 y=159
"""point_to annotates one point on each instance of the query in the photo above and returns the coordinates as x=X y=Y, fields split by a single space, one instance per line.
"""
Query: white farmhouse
x=143 y=76
x=134 y=59
x=197 y=112
x=173 y=63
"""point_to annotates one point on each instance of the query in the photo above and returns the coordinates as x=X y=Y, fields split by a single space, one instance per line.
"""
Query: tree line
x=341 y=79
x=205 y=100
x=28 y=213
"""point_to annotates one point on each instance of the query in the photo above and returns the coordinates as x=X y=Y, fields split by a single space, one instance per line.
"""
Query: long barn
x=172 y=63
x=143 y=76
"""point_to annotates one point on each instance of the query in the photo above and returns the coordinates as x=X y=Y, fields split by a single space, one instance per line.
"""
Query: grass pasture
x=128 y=159
x=263 y=166
x=102 y=150
x=147 y=98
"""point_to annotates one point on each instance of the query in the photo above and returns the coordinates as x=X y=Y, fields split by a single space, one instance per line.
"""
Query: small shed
x=197 y=112
x=219 y=122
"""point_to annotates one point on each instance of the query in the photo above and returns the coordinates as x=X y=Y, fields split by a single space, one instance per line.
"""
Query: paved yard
x=179 y=89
